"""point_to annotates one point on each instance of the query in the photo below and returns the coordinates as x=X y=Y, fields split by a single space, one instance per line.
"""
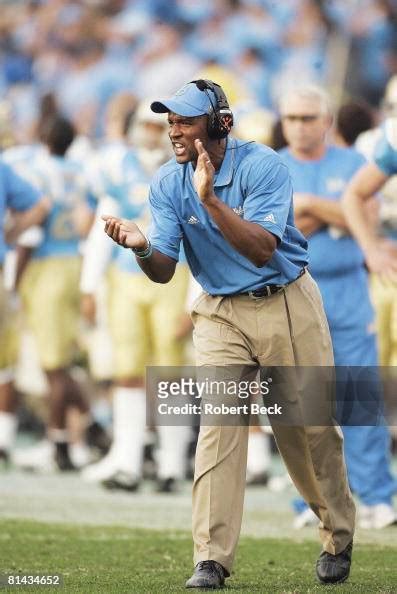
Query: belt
x=268 y=290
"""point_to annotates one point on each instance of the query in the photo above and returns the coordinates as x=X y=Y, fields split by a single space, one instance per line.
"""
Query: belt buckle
x=279 y=289
x=266 y=293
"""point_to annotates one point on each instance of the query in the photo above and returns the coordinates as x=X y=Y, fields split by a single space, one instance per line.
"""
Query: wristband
x=143 y=254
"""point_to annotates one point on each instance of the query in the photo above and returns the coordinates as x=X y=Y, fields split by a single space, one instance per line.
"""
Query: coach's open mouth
x=179 y=148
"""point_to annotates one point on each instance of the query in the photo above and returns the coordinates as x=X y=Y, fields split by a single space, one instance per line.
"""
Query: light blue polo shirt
x=329 y=254
x=15 y=193
x=252 y=181
x=335 y=259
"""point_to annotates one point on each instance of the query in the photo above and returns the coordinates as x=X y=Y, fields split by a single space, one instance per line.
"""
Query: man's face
x=183 y=132
x=304 y=123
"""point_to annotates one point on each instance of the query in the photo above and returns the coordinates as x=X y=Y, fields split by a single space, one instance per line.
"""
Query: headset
x=220 y=116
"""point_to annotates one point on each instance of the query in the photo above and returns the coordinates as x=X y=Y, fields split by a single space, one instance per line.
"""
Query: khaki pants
x=286 y=329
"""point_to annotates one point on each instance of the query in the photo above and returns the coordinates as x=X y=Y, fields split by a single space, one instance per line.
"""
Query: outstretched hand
x=125 y=233
x=203 y=177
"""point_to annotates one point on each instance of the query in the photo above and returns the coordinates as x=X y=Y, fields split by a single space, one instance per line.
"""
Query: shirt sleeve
x=269 y=195
x=165 y=231
x=385 y=156
x=20 y=195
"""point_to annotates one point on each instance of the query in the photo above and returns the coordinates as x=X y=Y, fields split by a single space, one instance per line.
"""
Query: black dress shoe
x=121 y=481
x=208 y=574
x=334 y=569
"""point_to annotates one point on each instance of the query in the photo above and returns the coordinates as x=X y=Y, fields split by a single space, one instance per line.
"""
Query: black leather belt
x=268 y=290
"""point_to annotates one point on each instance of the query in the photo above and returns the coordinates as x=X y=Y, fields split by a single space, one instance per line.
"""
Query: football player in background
x=143 y=317
x=49 y=288
x=28 y=207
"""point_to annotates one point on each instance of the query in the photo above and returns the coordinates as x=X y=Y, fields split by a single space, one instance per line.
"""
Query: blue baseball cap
x=188 y=102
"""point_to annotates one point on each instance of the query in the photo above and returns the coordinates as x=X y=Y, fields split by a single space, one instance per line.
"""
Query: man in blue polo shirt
x=231 y=204
x=320 y=172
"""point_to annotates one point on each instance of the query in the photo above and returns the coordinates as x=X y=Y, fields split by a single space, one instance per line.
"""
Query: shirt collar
x=225 y=174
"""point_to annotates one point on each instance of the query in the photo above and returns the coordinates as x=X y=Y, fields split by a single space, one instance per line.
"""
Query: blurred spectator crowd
x=84 y=51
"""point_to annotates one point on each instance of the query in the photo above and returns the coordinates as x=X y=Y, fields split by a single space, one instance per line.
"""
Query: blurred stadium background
x=85 y=52
x=75 y=57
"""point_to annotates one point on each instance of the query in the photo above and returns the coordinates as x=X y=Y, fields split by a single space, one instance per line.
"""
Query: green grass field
x=118 y=560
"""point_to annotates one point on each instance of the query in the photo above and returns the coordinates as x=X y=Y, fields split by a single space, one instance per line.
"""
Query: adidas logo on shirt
x=270 y=218
x=239 y=210
x=193 y=220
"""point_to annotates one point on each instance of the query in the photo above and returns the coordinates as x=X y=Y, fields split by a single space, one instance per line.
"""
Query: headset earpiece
x=220 y=116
